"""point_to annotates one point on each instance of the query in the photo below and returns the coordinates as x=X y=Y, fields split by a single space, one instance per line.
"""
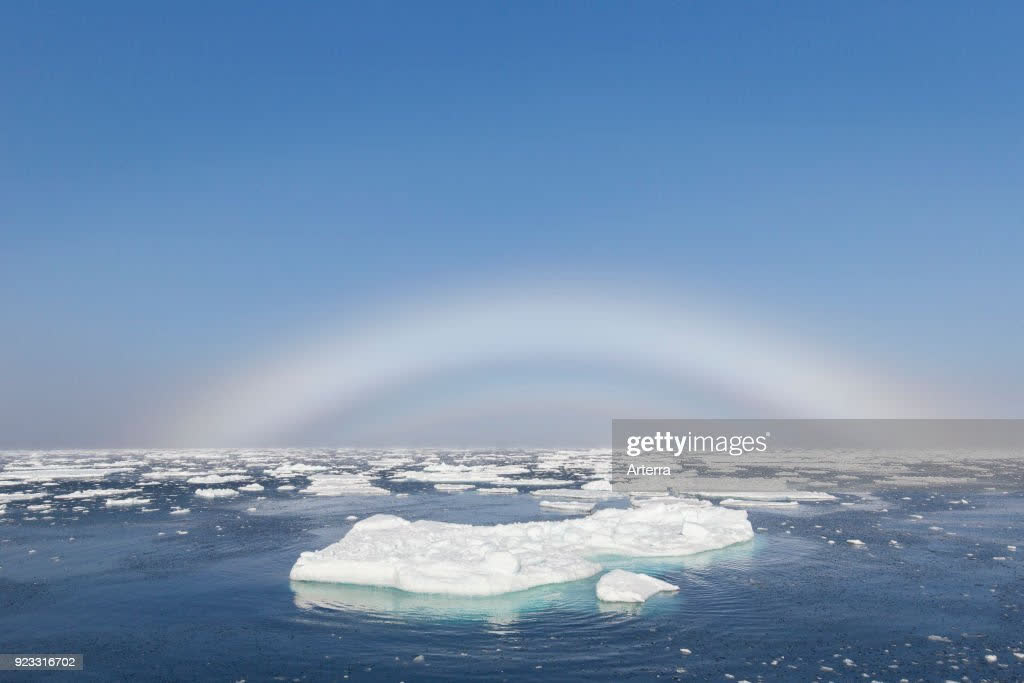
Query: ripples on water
x=142 y=601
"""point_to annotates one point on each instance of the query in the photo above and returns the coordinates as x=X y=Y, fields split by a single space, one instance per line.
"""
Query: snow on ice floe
x=216 y=493
x=463 y=559
x=619 y=585
x=342 y=485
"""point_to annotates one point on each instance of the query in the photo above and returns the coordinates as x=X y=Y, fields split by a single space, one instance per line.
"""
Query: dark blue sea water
x=142 y=601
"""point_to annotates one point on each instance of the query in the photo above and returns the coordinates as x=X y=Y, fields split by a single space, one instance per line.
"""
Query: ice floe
x=19 y=497
x=342 y=485
x=498 y=490
x=216 y=493
x=454 y=488
x=619 y=585
x=780 y=496
x=462 y=559
x=737 y=503
x=218 y=479
x=567 y=505
x=94 y=493
x=126 y=502
x=251 y=487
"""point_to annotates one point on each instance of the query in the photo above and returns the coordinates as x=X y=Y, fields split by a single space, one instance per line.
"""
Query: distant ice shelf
x=463 y=559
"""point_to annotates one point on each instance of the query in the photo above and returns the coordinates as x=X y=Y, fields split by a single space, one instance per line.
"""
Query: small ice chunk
x=180 y=511
x=619 y=585
x=125 y=502
x=939 y=639
x=498 y=491
x=251 y=487
x=991 y=659
x=217 y=479
x=216 y=493
x=453 y=488
x=854 y=541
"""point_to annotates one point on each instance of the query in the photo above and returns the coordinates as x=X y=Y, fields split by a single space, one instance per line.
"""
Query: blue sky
x=188 y=187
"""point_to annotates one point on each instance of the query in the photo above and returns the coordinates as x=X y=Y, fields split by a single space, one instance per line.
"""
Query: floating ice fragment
x=737 y=503
x=217 y=479
x=809 y=496
x=498 y=490
x=621 y=586
x=125 y=502
x=19 y=496
x=939 y=639
x=453 y=488
x=567 y=506
x=216 y=493
x=251 y=487
x=342 y=485
x=854 y=541
x=94 y=493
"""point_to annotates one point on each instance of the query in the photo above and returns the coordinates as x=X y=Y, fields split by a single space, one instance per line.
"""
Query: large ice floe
x=462 y=559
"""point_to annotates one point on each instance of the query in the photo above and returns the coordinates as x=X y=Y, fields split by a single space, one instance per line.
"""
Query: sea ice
x=251 y=487
x=125 y=502
x=619 y=585
x=218 y=479
x=462 y=559
x=737 y=503
x=583 y=494
x=444 y=473
x=499 y=490
x=806 y=496
x=453 y=488
x=94 y=493
x=567 y=505
x=20 y=496
x=216 y=493
x=342 y=485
